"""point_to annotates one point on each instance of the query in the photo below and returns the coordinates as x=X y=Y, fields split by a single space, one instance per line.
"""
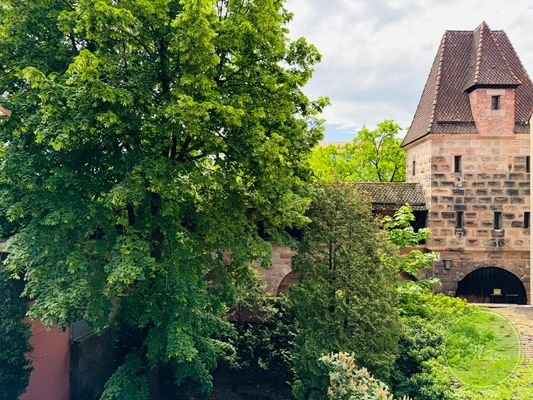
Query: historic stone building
x=468 y=147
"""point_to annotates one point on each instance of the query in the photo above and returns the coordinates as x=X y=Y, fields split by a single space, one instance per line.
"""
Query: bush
x=346 y=298
x=348 y=382
x=15 y=368
x=420 y=370
x=263 y=341
x=128 y=382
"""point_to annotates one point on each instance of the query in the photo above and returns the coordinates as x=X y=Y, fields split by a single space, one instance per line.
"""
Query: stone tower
x=468 y=147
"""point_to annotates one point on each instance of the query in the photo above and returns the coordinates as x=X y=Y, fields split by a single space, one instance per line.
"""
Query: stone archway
x=492 y=285
x=290 y=279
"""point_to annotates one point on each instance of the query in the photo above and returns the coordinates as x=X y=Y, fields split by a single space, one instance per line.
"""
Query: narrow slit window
x=495 y=102
x=458 y=164
x=526 y=220
x=497 y=220
x=459 y=220
x=528 y=164
x=414 y=168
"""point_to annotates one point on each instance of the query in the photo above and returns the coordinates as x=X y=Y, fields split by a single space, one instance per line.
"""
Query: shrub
x=263 y=341
x=348 y=382
x=128 y=382
x=420 y=369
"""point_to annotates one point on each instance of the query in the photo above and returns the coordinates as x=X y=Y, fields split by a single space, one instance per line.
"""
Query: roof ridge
x=505 y=58
x=437 y=80
x=479 y=50
x=517 y=56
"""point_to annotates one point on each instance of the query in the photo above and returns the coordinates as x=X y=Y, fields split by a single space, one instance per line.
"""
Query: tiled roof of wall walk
x=4 y=112
x=466 y=60
x=392 y=195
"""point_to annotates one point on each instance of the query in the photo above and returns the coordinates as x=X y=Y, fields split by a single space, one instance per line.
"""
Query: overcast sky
x=377 y=53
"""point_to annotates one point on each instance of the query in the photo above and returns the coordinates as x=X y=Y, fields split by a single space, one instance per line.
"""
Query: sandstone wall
x=281 y=268
x=493 y=178
x=421 y=155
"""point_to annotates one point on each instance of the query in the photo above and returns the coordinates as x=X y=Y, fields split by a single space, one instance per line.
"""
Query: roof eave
x=491 y=86
x=407 y=143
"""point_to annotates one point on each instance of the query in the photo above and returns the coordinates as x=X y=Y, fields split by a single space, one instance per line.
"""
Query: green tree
x=373 y=156
x=14 y=334
x=149 y=139
x=410 y=260
x=346 y=298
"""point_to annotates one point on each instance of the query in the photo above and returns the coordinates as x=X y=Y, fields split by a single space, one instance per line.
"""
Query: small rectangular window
x=526 y=220
x=495 y=102
x=457 y=167
x=459 y=220
x=497 y=220
x=528 y=164
x=414 y=168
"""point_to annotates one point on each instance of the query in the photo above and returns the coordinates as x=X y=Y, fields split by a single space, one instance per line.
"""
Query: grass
x=519 y=386
x=482 y=349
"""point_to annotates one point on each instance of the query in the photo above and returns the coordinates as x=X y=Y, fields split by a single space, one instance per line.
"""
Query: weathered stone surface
x=494 y=179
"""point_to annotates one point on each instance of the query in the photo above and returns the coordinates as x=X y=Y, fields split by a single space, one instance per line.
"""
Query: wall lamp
x=447 y=263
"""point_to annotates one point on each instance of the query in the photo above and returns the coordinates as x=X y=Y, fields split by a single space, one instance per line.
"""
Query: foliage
x=373 y=156
x=263 y=341
x=436 y=308
x=128 y=382
x=14 y=334
x=346 y=298
x=348 y=382
x=413 y=262
x=149 y=139
x=420 y=369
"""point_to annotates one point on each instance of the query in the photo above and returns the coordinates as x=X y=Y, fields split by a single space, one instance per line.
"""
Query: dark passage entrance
x=492 y=285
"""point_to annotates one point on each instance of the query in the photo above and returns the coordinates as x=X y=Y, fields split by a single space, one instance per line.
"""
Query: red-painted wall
x=51 y=364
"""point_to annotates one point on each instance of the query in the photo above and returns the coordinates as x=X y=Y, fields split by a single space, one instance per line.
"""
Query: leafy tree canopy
x=373 y=156
x=148 y=139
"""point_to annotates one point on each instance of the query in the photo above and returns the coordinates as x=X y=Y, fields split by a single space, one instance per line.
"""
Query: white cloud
x=377 y=53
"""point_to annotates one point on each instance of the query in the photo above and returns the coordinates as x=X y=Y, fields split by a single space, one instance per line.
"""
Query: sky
x=376 y=54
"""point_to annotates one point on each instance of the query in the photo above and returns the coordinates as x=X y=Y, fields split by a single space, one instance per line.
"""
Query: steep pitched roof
x=466 y=60
x=490 y=66
x=393 y=195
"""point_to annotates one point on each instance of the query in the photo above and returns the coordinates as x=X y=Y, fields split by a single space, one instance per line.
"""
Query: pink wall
x=51 y=364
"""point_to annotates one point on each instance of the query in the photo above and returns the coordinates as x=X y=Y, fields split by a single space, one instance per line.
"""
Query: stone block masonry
x=491 y=187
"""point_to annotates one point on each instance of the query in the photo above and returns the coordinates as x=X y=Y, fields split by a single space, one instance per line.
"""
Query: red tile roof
x=466 y=60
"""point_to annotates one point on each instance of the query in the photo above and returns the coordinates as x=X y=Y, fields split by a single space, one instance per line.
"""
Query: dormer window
x=495 y=102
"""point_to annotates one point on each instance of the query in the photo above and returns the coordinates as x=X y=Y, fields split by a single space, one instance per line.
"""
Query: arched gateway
x=492 y=285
